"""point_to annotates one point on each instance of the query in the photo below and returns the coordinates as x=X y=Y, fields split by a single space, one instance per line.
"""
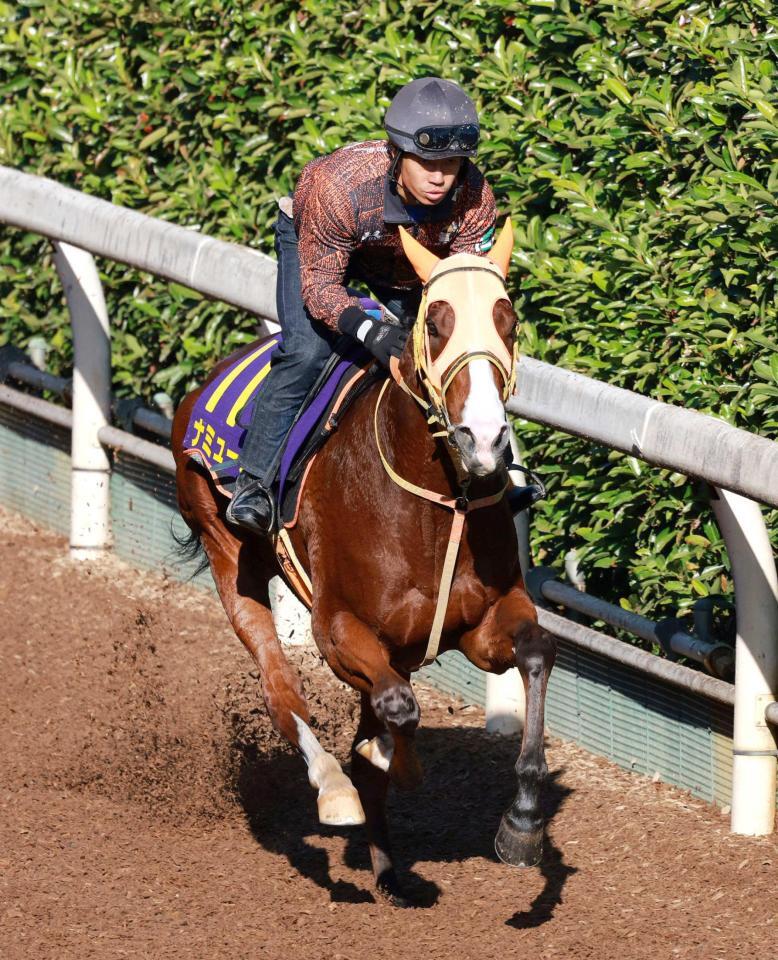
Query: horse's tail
x=188 y=549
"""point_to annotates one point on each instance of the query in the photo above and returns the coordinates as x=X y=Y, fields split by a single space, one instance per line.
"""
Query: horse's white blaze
x=338 y=801
x=483 y=413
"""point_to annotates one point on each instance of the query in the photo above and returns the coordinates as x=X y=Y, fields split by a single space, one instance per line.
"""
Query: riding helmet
x=433 y=118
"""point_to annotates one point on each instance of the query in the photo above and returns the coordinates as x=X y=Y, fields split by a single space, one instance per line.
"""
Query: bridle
x=435 y=377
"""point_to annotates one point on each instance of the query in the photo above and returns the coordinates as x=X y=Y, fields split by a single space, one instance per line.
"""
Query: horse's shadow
x=469 y=781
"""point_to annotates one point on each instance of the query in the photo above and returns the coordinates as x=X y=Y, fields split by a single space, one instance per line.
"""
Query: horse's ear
x=422 y=260
x=503 y=247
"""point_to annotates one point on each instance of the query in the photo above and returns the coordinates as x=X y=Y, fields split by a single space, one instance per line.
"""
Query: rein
x=436 y=412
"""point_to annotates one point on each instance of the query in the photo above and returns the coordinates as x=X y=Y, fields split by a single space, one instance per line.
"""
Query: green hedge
x=633 y=142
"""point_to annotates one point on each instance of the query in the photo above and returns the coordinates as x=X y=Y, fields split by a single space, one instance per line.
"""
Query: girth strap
x=460 y=506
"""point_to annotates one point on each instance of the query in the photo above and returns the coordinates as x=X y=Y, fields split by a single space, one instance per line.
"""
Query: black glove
x=383 y=340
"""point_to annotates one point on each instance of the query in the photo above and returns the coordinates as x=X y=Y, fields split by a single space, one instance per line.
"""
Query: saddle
x=220 y=417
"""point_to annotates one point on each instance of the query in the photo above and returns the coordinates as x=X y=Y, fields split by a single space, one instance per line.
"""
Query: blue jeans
x=306 y=346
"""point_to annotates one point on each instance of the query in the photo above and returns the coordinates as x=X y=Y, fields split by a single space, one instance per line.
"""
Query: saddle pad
x=219 y=419
x=217 y=424
x=316 y=425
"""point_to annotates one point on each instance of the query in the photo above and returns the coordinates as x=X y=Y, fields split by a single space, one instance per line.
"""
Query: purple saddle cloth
x=222 y=413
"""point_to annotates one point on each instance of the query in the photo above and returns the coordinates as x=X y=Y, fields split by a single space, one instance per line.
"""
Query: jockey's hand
x=382 y=339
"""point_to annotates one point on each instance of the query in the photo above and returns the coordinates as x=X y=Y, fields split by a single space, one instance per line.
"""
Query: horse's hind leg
x=247 y=604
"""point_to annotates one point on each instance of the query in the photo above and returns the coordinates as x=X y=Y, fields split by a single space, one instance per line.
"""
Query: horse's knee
x=535 y=648
x=396 y=707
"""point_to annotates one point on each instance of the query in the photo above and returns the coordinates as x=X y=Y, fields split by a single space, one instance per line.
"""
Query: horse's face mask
x=464 y=347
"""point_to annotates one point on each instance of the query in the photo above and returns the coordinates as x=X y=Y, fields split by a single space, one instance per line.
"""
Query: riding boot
x=519 y=498
x=252 y=506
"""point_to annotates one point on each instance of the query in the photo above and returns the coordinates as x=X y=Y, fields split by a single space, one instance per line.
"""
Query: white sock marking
x=309 y=745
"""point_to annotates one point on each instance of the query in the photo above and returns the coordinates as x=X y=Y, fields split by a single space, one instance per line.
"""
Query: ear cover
x=500 y=254
x=422 y=260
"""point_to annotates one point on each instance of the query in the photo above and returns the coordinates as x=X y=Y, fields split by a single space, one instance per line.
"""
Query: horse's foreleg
x=519 y=840
x=248 y=608
x=510 y=635
x=357 y=657
x=369 y=771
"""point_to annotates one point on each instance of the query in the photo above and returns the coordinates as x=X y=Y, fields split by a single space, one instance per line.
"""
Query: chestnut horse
x=374 y=533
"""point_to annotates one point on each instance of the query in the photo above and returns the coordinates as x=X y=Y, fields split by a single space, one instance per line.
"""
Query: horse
x=409 y=546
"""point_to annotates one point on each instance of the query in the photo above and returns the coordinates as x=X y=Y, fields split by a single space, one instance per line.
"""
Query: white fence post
x=756 y=662
x=506 y=705
x=90 y=532
x=291 y=619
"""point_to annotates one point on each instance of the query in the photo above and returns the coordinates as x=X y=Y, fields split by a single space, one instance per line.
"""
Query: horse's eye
x=432 y=330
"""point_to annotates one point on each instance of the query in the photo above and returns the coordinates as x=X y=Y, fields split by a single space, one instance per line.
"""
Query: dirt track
x=148 y=810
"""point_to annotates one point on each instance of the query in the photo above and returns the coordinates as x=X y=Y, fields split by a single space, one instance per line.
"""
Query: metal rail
x=669 y=634
x=39 y=379
x=659 y=433
x=225 y=271
x=634 y=657
x=692 y=443
x=49 y=412
x=112 y=437
x=143 y=417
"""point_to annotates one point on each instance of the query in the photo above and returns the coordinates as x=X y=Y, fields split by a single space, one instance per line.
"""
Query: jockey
x=342 y=225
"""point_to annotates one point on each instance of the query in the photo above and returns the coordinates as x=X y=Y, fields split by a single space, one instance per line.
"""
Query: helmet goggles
x=433 y=139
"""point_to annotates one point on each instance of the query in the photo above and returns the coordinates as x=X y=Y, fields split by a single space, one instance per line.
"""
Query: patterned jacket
x=346 y=212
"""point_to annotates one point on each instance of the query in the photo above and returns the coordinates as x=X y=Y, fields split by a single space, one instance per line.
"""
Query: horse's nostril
x=464 y=439
x=502 y=438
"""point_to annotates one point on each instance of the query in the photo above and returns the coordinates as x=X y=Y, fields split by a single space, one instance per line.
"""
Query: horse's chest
x=410 y=620
x=468 y=603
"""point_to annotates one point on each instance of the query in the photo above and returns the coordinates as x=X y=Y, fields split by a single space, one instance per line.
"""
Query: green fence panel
x=35 y=468
x=146 y=521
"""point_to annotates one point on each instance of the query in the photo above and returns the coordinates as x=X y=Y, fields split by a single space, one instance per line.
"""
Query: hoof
x=388 y=889
x=340 y=808
x=518 y=849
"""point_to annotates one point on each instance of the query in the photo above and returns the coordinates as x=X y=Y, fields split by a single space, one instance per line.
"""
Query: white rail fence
x=742 y=467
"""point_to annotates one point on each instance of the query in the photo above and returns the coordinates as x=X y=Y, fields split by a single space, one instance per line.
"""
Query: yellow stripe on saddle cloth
x=214 y=436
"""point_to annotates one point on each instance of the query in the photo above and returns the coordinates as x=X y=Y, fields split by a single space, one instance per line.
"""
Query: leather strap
x=444 y=591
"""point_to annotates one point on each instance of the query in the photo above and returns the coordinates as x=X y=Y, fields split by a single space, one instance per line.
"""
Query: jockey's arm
x=327 y=236
x=327 y=233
